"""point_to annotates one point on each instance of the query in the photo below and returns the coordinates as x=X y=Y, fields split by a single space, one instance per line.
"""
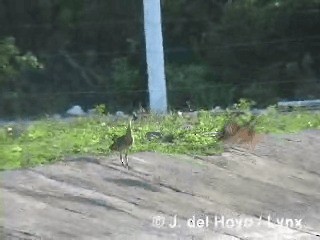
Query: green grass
x=46 y=141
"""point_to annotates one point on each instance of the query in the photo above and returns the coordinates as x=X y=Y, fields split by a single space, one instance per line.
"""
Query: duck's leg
x=121 y=159
x=127 y=160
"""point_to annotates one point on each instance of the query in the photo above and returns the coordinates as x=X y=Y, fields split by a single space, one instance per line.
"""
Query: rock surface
x=240 y=193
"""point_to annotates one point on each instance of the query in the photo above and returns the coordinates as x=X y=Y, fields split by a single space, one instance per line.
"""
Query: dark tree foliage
x=216 y=52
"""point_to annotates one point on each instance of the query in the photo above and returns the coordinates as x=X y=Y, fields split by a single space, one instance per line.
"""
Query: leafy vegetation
x=12 y=62
x=46 y=141
x=215 y=53
x=13 y=65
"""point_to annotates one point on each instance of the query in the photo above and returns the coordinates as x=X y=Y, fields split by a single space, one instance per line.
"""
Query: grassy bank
x=46 y=141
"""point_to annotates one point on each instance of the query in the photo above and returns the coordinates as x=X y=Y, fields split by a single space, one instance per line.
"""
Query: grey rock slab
x=270 y=193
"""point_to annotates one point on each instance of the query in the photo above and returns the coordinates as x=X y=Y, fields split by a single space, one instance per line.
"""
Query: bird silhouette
x=123 y=143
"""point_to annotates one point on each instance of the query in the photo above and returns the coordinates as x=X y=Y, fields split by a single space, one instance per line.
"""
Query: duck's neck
x=129 y=128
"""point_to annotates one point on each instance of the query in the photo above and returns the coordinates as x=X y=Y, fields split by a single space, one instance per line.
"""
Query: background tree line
x=56 y=53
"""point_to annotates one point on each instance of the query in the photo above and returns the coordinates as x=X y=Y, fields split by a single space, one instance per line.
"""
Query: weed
x=46 y=141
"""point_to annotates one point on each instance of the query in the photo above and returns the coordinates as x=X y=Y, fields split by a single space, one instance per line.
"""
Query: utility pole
x=155 y=59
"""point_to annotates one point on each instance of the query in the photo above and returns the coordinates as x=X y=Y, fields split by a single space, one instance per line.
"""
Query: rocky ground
x=271 y=193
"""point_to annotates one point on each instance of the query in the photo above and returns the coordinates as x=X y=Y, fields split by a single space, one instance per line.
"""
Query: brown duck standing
x=122 y=144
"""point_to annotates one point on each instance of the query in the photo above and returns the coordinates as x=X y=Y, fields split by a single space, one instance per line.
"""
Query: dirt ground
x=271 y=193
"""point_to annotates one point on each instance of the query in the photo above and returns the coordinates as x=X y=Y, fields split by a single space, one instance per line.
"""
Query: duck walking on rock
x=122 y=144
